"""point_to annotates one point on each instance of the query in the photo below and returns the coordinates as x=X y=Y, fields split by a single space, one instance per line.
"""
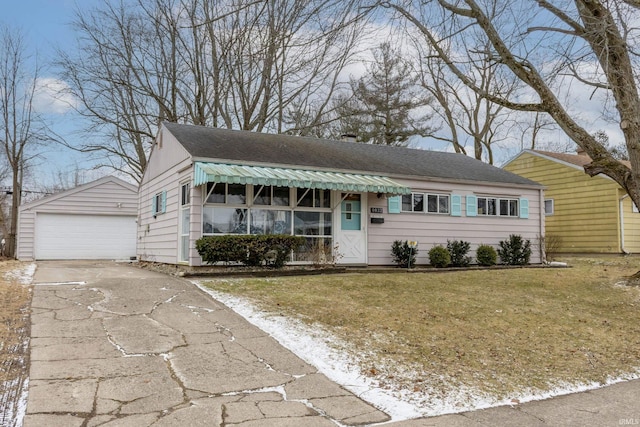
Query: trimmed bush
x=403 y=254
x=458 y=250
x=515 y=251
x=439 y=256
x=227 y=249
x=486 y=255
x=272 y=250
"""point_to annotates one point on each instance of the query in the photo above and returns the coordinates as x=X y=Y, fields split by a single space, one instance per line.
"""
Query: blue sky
x=45 y=21
x=46 y=25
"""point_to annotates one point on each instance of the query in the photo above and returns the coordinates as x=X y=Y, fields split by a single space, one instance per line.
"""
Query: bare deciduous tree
x=234 y=64
x=551 y=47
x=467 y=115
x=21 y=128
x=530 y=128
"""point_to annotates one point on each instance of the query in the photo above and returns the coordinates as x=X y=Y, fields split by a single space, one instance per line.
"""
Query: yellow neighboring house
x=582 y=214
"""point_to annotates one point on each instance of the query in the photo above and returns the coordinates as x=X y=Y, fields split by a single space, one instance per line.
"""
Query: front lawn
x=501 y=333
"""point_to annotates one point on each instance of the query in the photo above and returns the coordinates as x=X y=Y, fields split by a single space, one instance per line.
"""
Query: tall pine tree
x=385 y=107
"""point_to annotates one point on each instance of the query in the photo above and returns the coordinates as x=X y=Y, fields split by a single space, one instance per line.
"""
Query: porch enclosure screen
x=242 y=199
x=267 y=209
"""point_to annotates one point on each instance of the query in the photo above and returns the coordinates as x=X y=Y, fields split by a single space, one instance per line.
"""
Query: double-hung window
x=493 y=206
x=435 y=203
x=438 y=203
x=159 y=203
x=413 y=202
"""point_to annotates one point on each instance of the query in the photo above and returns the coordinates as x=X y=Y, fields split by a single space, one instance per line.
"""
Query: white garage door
x=62 y=236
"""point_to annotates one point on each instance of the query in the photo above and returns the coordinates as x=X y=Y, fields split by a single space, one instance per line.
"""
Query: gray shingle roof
x=274 y=149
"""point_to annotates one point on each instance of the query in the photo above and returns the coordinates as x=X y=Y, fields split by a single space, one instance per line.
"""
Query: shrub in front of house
x=403 y=254
x=515 y=251
x=458 y=250
x=439 y=256
x=271 y=250
x=486 y=255
x=225 y=249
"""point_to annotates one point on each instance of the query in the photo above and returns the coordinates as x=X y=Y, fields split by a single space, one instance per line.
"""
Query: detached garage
x=93 y=221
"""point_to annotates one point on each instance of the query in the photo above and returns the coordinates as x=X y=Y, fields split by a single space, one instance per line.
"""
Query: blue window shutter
x=394 y=204
x=472 y=206
x=164 y=202
x=456 y=205
x=524 y=208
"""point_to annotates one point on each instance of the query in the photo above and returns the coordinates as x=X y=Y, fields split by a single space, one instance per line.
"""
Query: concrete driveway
x=114 y=345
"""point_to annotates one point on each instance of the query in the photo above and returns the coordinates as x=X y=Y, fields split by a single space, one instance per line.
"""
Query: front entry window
x=350 y=217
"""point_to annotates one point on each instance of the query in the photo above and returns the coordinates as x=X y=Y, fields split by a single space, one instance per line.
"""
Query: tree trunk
x=11 y=240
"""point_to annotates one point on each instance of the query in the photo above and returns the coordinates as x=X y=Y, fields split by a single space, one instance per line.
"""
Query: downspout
x=543 y=253
x=622 y=249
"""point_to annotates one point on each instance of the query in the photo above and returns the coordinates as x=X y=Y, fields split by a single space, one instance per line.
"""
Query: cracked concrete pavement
x=114 y=345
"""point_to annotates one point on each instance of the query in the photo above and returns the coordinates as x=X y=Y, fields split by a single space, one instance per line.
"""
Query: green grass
x=501 y=332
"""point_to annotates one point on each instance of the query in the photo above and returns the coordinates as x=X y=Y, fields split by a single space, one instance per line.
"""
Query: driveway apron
x=115 y=345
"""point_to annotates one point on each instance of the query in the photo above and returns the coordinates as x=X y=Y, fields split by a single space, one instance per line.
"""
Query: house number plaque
x=376 y=210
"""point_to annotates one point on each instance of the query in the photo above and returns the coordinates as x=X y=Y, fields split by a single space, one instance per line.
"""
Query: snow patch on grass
x=340 y=363
x=22 y=275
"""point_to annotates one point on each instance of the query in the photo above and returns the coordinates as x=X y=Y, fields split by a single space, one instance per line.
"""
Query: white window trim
x=188 y=194
x=438 y=195
x=159 y=203
x=251 y=207
x=497 y=209
x=425 y=203
x=255 y=192
x=553 y=207
x=247 y=195
x=185 y=206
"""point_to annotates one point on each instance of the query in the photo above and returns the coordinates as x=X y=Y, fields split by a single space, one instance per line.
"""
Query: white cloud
x=52 y=96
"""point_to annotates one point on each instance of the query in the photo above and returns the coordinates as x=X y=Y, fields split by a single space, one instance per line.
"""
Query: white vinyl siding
x=431 y=230
x=158 y=237
x=103 y=198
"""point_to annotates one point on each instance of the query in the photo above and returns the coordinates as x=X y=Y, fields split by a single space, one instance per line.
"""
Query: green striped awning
x=258 y=175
